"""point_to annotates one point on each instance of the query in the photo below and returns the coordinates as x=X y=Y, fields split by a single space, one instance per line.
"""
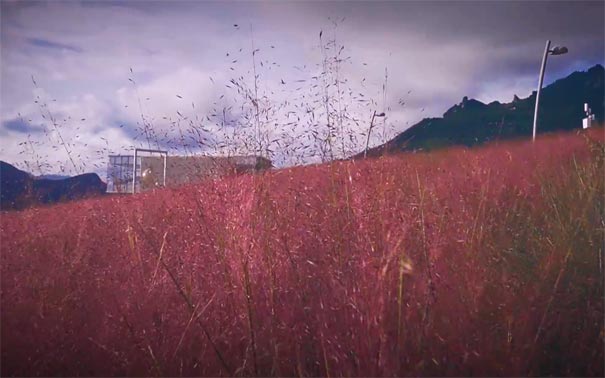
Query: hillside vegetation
x=483 y=261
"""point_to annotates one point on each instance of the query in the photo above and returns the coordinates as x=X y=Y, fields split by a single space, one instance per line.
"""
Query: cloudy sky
x=81 y=80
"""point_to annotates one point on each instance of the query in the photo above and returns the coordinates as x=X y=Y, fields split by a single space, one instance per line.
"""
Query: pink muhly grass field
x=463 y=262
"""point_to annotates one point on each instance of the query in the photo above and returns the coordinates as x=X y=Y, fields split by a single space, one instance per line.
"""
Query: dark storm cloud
x=522 y=27
x=499 y=21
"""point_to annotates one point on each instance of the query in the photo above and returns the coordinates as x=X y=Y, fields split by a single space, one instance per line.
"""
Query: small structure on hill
x=158 y=169
x=587 y=121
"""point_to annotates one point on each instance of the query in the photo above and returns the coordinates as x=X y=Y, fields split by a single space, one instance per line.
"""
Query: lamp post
x=559 y=50
x=365 y=152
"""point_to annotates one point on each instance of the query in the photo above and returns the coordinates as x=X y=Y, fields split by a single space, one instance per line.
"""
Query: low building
x=159 y=170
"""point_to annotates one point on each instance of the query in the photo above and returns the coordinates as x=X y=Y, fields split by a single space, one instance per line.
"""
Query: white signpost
x=587 y=122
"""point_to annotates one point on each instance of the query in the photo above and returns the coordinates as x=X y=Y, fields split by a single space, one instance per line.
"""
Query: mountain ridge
x=472 y=122
x=19 y=189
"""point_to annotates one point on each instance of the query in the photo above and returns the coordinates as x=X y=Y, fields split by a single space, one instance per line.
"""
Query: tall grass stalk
x=249 y=300
x=44 y=112
x=188 y=301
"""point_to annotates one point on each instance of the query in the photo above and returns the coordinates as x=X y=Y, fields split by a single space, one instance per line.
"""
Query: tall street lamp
x=365 y=152
x=559 y=50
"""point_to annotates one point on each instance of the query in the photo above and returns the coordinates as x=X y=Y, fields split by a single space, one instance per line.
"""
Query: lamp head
x=559 y=50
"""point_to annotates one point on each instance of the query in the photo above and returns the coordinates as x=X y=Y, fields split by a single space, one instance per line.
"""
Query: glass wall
x=119 y=174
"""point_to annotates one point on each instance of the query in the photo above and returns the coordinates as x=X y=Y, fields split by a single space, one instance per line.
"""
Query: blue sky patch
x=38 y=42
x=21 y=126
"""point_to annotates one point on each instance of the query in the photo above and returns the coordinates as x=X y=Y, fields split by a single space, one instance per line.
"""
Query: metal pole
x=546 y=49
x=134 y=171
x=365 y=152
x=165 y=158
